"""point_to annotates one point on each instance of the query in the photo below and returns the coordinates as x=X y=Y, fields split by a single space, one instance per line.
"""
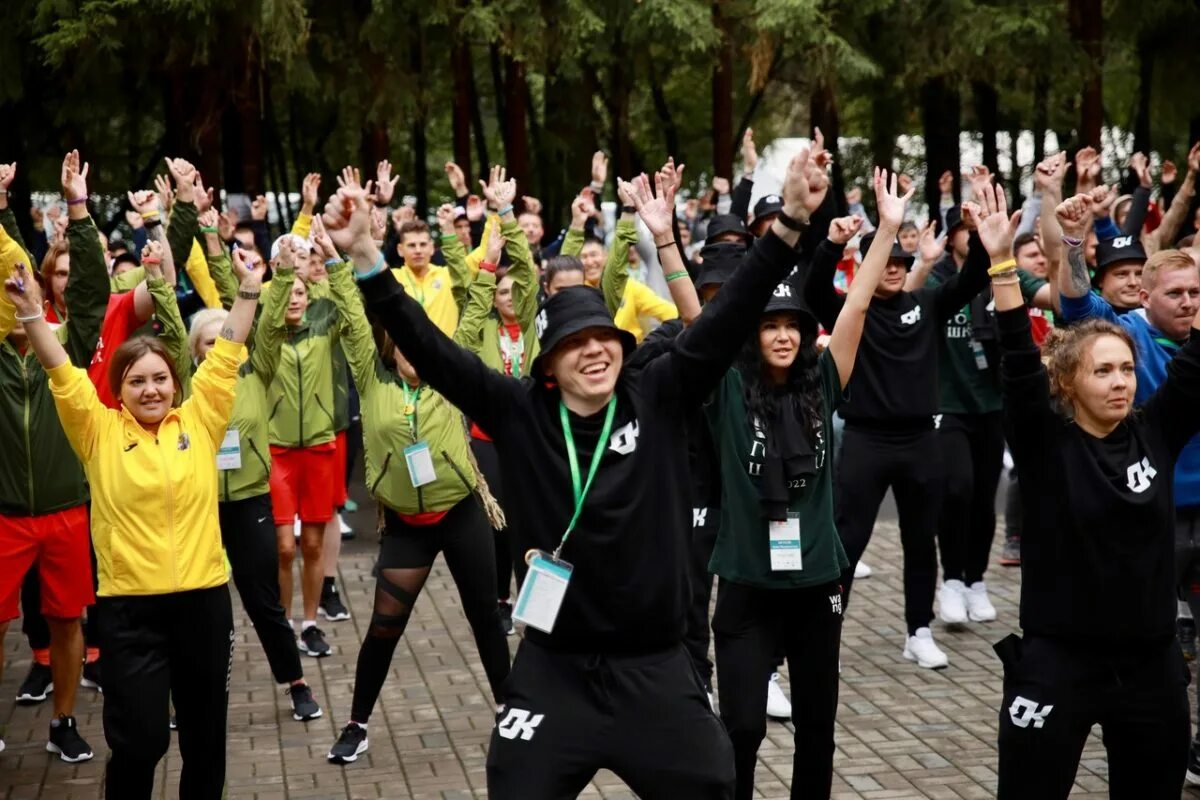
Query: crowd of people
x=590 y=428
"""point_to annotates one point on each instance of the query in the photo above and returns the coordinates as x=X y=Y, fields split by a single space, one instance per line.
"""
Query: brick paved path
x=903 y=732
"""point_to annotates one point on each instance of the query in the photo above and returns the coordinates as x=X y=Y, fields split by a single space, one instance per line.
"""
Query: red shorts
x=302 y=483
x=58 y=543
x=339 y=470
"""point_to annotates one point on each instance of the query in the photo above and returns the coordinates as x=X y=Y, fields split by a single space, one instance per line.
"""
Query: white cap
x=300 y=242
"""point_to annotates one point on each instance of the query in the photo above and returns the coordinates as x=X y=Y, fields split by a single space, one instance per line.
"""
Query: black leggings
x=751 y=626
x=406 y=554
x=972 y=448
x=161 y=650
x=489 y=465
x=907 y=461
x=248 y=533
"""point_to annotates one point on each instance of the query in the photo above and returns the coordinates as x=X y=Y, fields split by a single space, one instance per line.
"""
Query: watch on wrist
x=793 y=223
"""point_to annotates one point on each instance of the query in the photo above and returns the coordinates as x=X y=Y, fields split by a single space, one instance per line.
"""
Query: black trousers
x=751 y=625
x=972 y=450
x=248 y=532
x=1012 y=506
x=158 y=650
x=1187 y=565
x=1055 y=691
x=406 y=553
x=908 y=462
x=644 y=717
x=705 y=523
x=489 y=465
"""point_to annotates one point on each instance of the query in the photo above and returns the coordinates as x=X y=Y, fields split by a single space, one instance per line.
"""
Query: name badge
x=420 y=464
x=980 y=355
x=542 y=592
x=785 y=544
x=229 y=454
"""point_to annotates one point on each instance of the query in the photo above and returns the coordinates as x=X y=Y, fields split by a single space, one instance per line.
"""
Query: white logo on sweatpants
x=911 y=317
x=699 y=515
x=519 y=722
x=835 y=603
x=1022 y=712
x=1140 y=475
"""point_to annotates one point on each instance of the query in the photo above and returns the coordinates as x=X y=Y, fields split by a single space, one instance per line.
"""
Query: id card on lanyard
x=544 y=588
x=785 y=543
x=416 y=456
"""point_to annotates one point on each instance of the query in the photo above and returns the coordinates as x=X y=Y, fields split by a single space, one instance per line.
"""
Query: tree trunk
x=1087 y=28
x=722 y=95
x=516 y=139
x=1014 y=174
x=1041 y=113
x=940 y=112
x=1141 y=120
x=669 y=128
x=987 y=102
x=481 y=144
x=824 y=114
x=498 y=93
x=460 y=65
x=419 y=143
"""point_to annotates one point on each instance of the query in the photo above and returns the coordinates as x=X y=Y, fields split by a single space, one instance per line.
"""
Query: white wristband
x=32 y=318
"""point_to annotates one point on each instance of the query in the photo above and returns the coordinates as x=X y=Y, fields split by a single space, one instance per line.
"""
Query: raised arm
x=819 y=294
x=271 y=329
x=581 y=209
x=219 y=265
x=87 y=290
x=658 y=213
x=930 y=248
x=740 y=207
x=455 y=256
x=357 y=341
x=1164 y=235
x=469 y=334
x=846 y=332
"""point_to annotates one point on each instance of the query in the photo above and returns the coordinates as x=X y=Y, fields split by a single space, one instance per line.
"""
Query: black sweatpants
x=705 y=523
x=751 y=626
x=406 y=554
x=972 y=449
x=908 y=462
x=1012 y=506
x=489 y=465
x=1187 y=565
x=248 y=533
x=1055 y=691
x=644 y=717
x=161 y=650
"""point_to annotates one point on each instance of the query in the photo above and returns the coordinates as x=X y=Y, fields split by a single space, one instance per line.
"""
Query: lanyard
x=411 y=396
x=418 y=291
x=1167 y=343
x=582 y=490
x=512 y=350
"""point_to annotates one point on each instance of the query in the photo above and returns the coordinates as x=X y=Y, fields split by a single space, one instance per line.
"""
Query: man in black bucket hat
x=601 y=679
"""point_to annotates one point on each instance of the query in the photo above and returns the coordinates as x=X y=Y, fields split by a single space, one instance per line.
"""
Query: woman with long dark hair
x=778 y=555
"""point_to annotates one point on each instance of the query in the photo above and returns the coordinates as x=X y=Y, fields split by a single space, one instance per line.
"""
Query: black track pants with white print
x=1055 y=691
x=644 y=717
x=161 y=650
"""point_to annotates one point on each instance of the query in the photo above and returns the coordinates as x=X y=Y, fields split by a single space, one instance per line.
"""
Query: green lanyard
x=418 y=291
x=411 y=397
x=1167 y=343
x=582 y=490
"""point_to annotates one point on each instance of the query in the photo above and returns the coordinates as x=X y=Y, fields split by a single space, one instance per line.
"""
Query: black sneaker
x=506 y=618
x=1186 y=629
x=37 y=684
x=304 y=707
x=90 y=679
x=312 y=642
x=331 y=606
x=1193 y=770
x=349 y=745
x=1011 y=555
x=66 y=741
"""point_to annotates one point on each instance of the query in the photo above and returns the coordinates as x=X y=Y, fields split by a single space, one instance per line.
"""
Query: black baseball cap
x=727 y=223
x=569 y=311
x=953 y=218
x=718 y=262
x=898 y=253
x=767 y=205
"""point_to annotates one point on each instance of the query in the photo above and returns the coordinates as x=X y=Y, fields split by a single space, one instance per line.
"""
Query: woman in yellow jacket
x=167 y=623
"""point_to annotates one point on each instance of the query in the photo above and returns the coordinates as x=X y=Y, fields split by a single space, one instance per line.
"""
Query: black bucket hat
x=718 y=262
x=953 y=218
x=727 y=223
x=898 y=252
x=569 y=311
x=1120 y=248
x=789 y=298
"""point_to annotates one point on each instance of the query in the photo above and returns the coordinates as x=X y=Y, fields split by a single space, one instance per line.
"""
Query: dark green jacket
x=39 y=472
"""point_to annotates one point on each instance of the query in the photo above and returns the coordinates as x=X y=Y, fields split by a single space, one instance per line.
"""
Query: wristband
x=153 y=222
x=488 y=266
x=665 y=244
x=506 y=210
x=674 y=276
x=208 y=229
x=1006 y=278
x=77 y=201
x=375 y=270
x=791 y=223
x=332 y=262
x=151 y=260
x=1071 y=241
x=149 y=215
x=628 y=210
x=1007 y=265
x=249 y=295
x=597 y=187
x=31 y=318
x=3 y=191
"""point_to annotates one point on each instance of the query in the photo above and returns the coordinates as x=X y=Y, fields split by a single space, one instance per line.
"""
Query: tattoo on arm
x=1080 y=281
x=227 y=332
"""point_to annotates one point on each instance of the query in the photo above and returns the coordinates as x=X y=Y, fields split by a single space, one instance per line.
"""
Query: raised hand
x=500 y=190
x=349 y=177
x=889 y=203
x=1141 y=167
x=166 y=195
x=445 y=218
x=7 y=173
x=931 y=246
x=623 y=195
x=143 y=201
x=378 y=223
x=184 y=174
x=581 y=208
x=1169 y=173
x=656 y=212
x=152 y=258
x=493 y=246
x=818 y=180
x=979 y=178
x=24 y=292
x=795 y=187
x=672 y=179
x=599 y=168
x=819 y=156
x=74 y=177
x=287 y=253
x=203 y=196
x=458 y=181
x=853 y=196
x=322 y=244
x=385 y=184
x=1074 y=215
x=309 y=189
x=1193 y=159
x=1049 y=174
x=1103 y=198
x=249 y=268
x=258 y=208
x=402 y=216
x=749 y=152
x=348 y=220
x=842 y=229
x=721 y=186
x=133 y=219
x=208 y=219
x=905 y=182
x=1087 y=167
x=531 y=204
x=475 y=208
x=227 y=224
x=996 y=228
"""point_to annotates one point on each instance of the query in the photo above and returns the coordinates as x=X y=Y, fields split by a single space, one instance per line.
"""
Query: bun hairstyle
x=1064 y=352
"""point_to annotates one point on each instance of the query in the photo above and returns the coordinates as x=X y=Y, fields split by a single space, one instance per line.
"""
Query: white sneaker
x=921 y=649
x=952 y=607
x=778 y=705
x=343 y=528
x=861 y=570
x=979 y=607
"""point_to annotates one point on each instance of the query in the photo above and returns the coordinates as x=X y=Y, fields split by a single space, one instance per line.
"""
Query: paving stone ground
x=902 y=732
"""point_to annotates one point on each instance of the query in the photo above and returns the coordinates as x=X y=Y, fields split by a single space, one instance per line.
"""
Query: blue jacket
x=1154 y=350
